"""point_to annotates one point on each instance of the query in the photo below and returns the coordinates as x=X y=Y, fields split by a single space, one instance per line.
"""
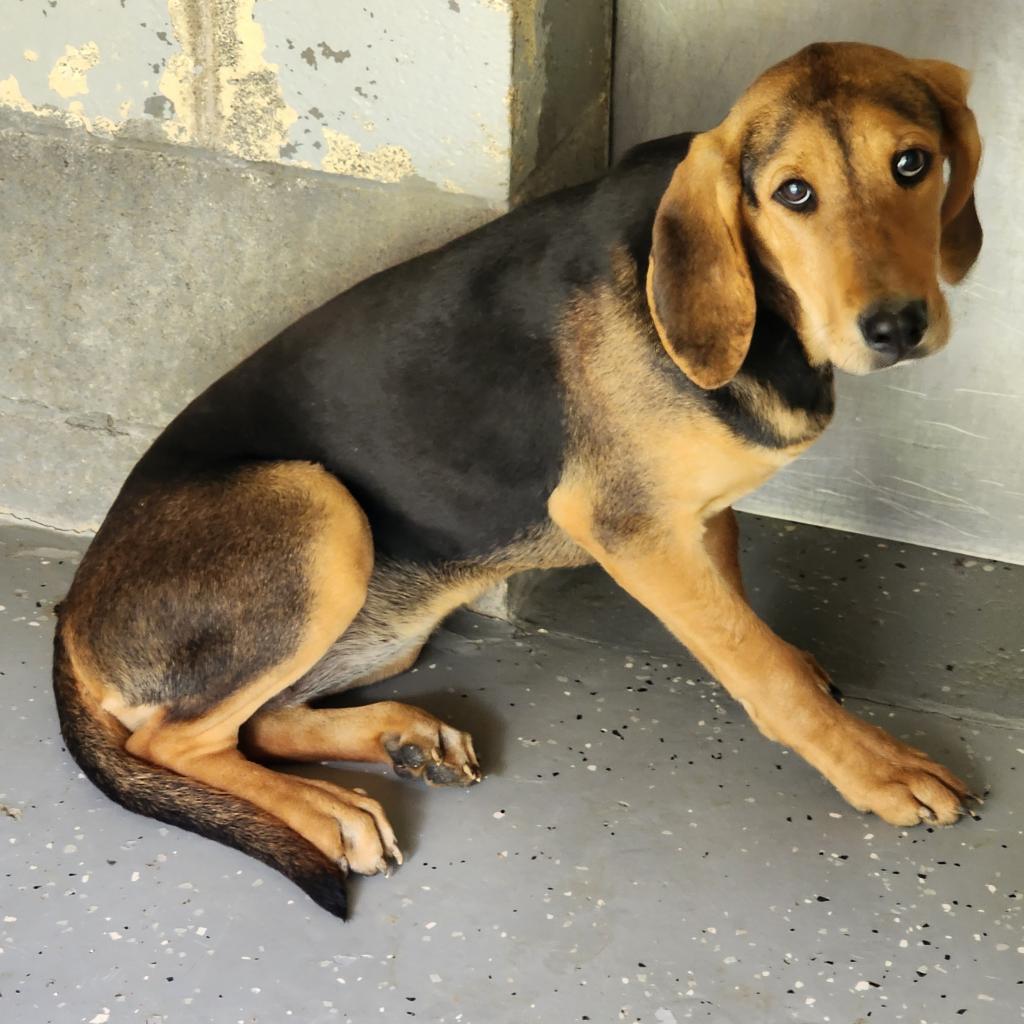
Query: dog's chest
x=701 y=466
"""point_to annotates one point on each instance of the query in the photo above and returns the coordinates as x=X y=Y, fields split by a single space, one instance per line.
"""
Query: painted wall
x=349 y=88
x=931 y=453
x=179 y=179
x=449 y=91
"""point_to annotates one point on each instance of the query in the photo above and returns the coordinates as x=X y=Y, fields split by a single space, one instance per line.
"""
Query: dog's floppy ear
x=699 y=285
x=961 y=230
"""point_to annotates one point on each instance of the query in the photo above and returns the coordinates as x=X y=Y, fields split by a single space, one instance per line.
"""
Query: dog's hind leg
x=200 y=601
x=403 y=605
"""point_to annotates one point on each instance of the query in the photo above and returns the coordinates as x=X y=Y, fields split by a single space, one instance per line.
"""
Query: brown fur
x=869 y=239
x=211 y=609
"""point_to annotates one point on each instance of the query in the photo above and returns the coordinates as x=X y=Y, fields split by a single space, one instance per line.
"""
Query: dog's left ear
x=961 y=230
x=699 y=286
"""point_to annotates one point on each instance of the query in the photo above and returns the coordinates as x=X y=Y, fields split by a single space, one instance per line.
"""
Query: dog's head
x=827 y=175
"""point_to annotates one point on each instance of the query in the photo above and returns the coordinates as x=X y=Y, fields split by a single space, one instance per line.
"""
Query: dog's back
x=432 y=389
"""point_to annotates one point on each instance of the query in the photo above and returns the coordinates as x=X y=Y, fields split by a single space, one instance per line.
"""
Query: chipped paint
x=74 y=116
x=222 y=91
x=187 y=81
x=11 y=96
x=206 y=73
x=255 y=116
x=68 y=76
x=387 y=163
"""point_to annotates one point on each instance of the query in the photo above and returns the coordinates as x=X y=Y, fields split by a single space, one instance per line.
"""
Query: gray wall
x=179 y=179
x=930 y=453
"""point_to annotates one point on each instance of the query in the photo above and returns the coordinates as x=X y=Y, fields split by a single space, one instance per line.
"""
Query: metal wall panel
x=930 y=453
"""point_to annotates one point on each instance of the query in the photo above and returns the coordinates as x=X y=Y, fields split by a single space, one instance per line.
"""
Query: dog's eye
x=910 y=165
x=796 y=194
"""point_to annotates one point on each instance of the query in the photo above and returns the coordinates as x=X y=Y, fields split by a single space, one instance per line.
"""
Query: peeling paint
x=224 y=93
x=182 y=83
x=67 y=78
x=12 y=97
x=345 y=156
x=205 y=73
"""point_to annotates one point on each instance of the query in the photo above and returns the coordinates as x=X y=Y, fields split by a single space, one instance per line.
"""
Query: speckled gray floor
x=637 y=853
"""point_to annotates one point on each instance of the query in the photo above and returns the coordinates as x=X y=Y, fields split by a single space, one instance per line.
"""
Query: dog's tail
x=95 y=740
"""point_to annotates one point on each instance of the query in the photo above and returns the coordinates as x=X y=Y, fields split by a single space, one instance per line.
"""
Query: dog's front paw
x=903 y=786
x=433 y=751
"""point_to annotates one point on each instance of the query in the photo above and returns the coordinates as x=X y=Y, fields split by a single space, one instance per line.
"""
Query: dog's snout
x=894 y=331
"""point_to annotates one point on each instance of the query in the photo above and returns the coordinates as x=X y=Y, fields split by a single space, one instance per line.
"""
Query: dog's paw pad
x=408 y=759
x=445 y=758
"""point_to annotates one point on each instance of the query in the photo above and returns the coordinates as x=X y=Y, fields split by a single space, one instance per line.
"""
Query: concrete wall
x=179 y=179
x=931 y=453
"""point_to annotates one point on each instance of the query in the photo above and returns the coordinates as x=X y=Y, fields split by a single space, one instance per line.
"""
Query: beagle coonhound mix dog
x=595 y=376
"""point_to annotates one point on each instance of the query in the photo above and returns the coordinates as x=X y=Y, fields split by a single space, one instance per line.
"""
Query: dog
x=595 y=376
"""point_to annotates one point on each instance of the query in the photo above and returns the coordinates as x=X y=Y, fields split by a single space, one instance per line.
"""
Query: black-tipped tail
x=96 y=742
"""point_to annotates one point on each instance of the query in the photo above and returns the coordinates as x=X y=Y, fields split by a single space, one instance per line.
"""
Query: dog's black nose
x=894 y=331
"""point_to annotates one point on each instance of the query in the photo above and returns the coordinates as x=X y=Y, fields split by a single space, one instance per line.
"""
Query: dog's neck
x=778 y=398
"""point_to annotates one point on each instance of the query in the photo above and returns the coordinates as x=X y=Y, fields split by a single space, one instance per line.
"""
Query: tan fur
x=374 y=733
x=721 y=541
x=649 y=475
x=658 y=518
x=676 y=579
x=346 y=827
x=704 y=317
x=868 y=240
x=686 y=462
x=393 y=668
x=796 y=426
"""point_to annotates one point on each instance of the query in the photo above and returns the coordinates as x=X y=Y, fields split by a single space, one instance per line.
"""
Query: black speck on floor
x=636 y=881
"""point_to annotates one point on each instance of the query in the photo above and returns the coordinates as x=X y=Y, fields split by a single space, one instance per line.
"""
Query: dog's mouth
x=887 y=361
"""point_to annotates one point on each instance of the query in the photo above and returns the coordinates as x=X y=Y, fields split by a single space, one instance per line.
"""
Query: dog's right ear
x=699 y=286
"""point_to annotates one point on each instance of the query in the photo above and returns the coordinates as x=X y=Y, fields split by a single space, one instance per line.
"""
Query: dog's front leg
x=674 y=574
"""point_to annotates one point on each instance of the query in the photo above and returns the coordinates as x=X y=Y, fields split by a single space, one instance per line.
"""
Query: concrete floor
x=637 y=853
